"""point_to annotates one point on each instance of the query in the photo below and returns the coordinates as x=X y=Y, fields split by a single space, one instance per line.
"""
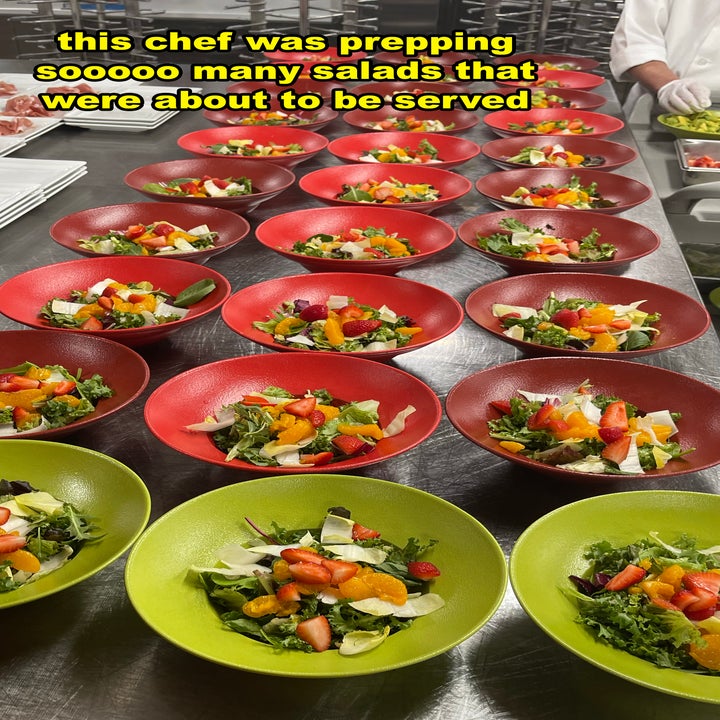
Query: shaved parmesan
x=397 y=424
x=414 y=607
x=336 y=529
x=357 y=553
x=360 y=641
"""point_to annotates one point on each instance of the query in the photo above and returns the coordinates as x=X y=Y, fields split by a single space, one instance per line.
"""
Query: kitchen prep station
x=94 y=651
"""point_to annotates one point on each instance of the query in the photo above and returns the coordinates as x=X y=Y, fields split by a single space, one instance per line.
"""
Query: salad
x=554 y=156
x=250 y=148
x=411 y=123
x=705 y=121
x=542 y=99
x=34 y=397
x=572 y=195
x=655 y=600
x=580 y=324
x=542 y=81
x=274 y=117
x=389 y=192
x=339 y=586
x=276 y=428
x=552 y=127
x=367 y=243
x=111 y=305
x=38 y=533
x=587 y=433
x=541 y=245
x=204 y=187
x=156 y=238
x=338 y=324
x=425 y=153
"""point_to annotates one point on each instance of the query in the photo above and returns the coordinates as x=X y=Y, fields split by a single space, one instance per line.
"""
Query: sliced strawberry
x=349 y=444
x=353 y=328
x=539 y=420
x=136 y=297
x=340 y=569
x=615 y=415
x=565 y=317
x=92 y=323
x=317 y=418
x=617 y=451
x=697 y=615
x=610 y=434
x=557 y=426
x=422 y=570
x=360 y=532
x=629 y=575
x=24 y=419
x=665 y=604
x=10 y=543
x=105 y=302
x=302 y=407
x=314 y=312
x=315 y=632
x=705 y=580
x=64 y=387
x=288 y=592
x=24 y=383
x=704 y=599
x=109 y=291
x=310 y=573
x=163 y=229
x=349 y=312
x=4 y=514
x=502 y=406
x=683 y=599
x=154 y=242
x=134 y=231
x=294 y=555
x=321 y=458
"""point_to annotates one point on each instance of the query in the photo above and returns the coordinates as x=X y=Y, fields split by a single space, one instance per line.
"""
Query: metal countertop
x=84 y=654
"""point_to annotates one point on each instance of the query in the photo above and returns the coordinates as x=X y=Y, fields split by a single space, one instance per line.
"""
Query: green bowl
x=472 y=583
x=98 y=486
x=686 y=132
x=552 y=548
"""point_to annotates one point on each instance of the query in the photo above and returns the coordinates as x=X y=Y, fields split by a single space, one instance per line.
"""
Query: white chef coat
x=685 y=34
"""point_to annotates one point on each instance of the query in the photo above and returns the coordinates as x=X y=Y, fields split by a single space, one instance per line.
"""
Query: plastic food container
x=687 y=149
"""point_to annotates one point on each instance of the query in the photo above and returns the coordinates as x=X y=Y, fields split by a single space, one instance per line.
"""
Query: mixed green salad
x=367 y=243
x=336 y=587
x=276 y=428
x=542 y=245
x=580 y=324
x=583 y=432
x=34 y=397
x=38 y=533
x=425 y=153
x=112 y=305
x=339 y=324
x=655 y=600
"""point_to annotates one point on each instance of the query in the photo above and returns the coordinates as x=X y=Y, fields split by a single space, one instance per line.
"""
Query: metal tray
x=685 y=148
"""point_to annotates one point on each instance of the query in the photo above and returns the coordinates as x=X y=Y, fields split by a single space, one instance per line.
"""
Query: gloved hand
x=683 y=96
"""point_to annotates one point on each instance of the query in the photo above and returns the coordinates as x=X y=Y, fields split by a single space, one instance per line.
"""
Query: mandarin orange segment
x=709 y=655
x=356 y=589
x=387 y=587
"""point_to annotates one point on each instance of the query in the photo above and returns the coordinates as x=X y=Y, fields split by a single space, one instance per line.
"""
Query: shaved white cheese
x=53 y=563
x=199 y=230
x=149 y=318
x=360 y=641
x=516 y=332
x=368 y=158
x=7 y=429
x=17 y=524
x=387 y=315
x=273 y=448
x=237 y=571
x=291 y=458
x=414 y=607
x=377 y=345
x=96 y=290
x=589 y=464
x=335 y=302
x=663 y=417
x=661 y=457
x=539 y=397
x=631 y=464
x=64 y=307
x=273 y=550
x=368 y=406
x=336 y=529
x=225 y=417
x=357 y=553
x=301 y=339
x=182 y=245
x=397 y=424
x=560 y=258
x=357 y=250
x=39 y=501
x=499 y=309
x=235 y=554
x=213 y=190
x=163 y=309
x=591 y=411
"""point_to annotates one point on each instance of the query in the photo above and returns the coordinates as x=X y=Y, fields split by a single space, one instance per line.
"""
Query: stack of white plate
x=41 y=179
x=10 y=143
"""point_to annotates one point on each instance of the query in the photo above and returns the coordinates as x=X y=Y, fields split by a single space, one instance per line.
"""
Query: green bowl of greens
x=554 y=547
x=108 y=493
x=168 y=596
x=703 y=125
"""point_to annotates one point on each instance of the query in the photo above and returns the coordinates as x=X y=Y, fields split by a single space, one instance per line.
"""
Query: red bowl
x=22 y=296
x=193 y=395
x=387 y=88
x=313 y=119
x=564 y=78
x=447 y=59
x=615 y=154
x=575 y=99
x=462 y=120
x=452 y=151
x=326 y=183
x=307 y=59
x=649 y=388
x=197 y=142
x=302 y=86
x=624 y=191
x=231 y=228
x=436 y=312
x=631 y=239
x=602 y=125
x=578 y=62
x=121 y=368
x=426 y=233
x=683 y=319
x=269 y=180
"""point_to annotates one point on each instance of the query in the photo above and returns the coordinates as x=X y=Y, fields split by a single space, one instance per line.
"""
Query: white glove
x=683 y=96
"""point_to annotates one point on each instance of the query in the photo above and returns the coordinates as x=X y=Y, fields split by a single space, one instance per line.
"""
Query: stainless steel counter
x=85 y=654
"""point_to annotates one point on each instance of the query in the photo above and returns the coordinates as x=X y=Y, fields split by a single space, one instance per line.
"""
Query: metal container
x=686 y=149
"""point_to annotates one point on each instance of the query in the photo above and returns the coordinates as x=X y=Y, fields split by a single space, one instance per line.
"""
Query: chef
x=670 y=49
